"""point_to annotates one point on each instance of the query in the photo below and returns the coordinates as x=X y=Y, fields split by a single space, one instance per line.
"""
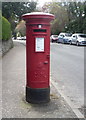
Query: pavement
x=0 y=49
x=13 y=91
x=0 y=84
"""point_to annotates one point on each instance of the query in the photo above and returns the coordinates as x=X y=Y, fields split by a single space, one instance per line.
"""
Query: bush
x=6 y=29
x=0 y=27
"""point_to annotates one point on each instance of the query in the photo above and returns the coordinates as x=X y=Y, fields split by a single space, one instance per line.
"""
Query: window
x=84 y=36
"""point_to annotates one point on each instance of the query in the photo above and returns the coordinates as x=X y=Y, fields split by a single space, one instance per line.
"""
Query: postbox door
x=40 y=59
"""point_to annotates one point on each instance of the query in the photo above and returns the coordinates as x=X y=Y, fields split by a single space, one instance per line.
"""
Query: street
x=67 y=72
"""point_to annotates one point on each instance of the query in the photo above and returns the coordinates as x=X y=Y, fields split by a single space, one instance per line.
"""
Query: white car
x=18 y=38
x=64 y=37
x=23 y=38
x=54 y=38
x=78 y=39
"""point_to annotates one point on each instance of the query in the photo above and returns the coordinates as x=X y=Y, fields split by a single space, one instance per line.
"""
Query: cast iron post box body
x=38 y=56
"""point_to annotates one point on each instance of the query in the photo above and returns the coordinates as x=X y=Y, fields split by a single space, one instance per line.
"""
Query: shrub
x=6 y=29
x=0 y=27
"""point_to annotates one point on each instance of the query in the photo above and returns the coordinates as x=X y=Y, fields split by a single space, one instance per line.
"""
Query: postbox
x=38 y=56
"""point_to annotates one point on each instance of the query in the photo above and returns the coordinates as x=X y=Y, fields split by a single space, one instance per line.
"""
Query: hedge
x=0 y=27
x=6 y=29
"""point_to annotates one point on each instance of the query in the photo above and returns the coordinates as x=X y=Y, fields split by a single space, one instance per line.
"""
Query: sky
x=41 y=2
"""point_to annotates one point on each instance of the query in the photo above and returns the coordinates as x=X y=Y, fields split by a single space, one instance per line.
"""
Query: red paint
x=37 y=63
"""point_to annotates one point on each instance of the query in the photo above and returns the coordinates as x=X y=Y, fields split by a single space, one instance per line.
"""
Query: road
x=67 y=72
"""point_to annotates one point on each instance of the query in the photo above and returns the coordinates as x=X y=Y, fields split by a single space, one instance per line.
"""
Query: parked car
x=18 y=38
x=78 y=39
x=54 y=38
x=23 y=38
x=64 y=38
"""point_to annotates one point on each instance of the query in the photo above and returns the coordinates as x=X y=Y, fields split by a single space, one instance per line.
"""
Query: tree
x=14 y=10
x=78 y=17
x=61 y=16
x=17 y=9
x=21 y=28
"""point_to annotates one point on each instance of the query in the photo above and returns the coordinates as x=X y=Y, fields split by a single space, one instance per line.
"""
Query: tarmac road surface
x=67 y=72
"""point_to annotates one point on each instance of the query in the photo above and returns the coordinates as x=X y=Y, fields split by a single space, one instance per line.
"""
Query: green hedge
x=6 y=29
x=0 y=27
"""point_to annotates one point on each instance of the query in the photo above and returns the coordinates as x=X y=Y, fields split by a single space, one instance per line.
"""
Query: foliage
x=21 y=28
x=61 y=16
x=14 y=10
x=77 y=26
x=0 y=26
x=76 y=16
x=6 y=29
x=69 y=16
x=17 y=9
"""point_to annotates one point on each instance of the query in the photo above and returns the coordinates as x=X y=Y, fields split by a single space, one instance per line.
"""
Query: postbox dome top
x=37 y=15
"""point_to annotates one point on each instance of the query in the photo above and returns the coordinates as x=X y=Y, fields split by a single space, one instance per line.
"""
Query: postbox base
x=37 y=95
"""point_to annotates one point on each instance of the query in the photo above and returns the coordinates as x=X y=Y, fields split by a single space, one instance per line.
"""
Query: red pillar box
x=38 y=56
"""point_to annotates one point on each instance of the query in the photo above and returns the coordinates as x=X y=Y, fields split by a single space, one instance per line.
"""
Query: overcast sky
x=41 y=2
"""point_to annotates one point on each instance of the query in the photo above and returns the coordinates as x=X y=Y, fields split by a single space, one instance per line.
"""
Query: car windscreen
x=84 y=36
x=55 y=36
x=68 y=34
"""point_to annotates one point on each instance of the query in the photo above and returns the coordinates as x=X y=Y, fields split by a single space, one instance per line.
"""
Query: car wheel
x=77 y=43
x=70 y=43
x=63 y=42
